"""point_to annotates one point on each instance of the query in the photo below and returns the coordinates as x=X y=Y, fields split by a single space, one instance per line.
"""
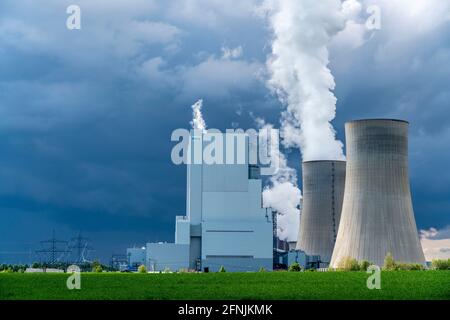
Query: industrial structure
x=323 y=191
x=359 y=208
x=136 y=256
x=377 y=215
x=80 y=247
x=225 y=223
x=53 y=250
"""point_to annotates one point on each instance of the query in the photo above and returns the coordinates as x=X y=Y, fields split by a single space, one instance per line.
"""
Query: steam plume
x=282 y=194
x=299 y=73
x=197 y=117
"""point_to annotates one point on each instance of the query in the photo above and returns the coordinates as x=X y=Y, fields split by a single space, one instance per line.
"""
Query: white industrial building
x=225 y=223
x=136 y=256
x=345 y=206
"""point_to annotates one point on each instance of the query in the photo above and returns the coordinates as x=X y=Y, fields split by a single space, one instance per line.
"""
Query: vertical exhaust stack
x=377 y=214
x=323 y=191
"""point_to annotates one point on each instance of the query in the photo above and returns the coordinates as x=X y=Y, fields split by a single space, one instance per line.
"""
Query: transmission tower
x=52 y=249
x=80 y=246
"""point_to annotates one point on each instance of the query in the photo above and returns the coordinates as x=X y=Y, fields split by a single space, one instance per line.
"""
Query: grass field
x=399 y=285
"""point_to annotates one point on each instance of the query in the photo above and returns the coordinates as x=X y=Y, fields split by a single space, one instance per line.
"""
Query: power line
x=51 y=248
x=81 y=246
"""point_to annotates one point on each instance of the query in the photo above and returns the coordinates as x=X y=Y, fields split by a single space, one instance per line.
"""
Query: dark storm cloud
x=403 y=71
x=86 y=116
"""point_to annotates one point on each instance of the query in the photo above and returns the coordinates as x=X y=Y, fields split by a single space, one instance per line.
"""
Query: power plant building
x=225 y=223
x=377 y=213
x=360 y=208
x=136 y=256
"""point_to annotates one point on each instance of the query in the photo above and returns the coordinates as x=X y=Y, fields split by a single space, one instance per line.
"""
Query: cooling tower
x=377 y=214
x=323 y=191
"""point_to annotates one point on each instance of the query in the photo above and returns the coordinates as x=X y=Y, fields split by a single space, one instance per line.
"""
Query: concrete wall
x=136 y=256
x=225 y=178
x=225 y=222
x=237 y=263
x=237 y=239
x=377 y=214
x=296 y=256
x=195 y=253
x=194 y=182
x=234 y=204
x=182 y=230
x=167 y=255
x=214 y=178
x=235 y=230
x=323 y=191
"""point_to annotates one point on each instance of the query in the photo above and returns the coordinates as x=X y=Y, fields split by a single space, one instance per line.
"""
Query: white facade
x=136 y=256
x=182 y=230
x=167 y=256
x=225 y=224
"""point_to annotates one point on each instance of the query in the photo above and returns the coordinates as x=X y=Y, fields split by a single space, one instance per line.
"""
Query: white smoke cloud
x=351 y=9
x=197 y=117
x=284 y=197
x=436 y=243
x=232 y=53
x=283 y=194
x=299 y=73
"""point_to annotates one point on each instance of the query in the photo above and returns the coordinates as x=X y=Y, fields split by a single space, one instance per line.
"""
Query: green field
x=398 y=285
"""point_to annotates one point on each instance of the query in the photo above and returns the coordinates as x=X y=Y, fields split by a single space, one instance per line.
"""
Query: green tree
x=294 y=267
x=408 y=266
x=348 y=264
x=98 y=268
x=417 y=266
x=389 y=262
x=363 y=265
x=440 y=264
x=142 y=269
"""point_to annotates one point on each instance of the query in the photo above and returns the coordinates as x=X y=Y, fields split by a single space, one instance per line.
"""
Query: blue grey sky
x=86 y=115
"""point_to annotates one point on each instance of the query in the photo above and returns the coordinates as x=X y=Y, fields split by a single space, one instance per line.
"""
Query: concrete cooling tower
x=323 y=191
x=377 y=214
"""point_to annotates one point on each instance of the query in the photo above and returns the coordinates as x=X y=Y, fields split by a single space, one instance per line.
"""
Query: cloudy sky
x=86 y=115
